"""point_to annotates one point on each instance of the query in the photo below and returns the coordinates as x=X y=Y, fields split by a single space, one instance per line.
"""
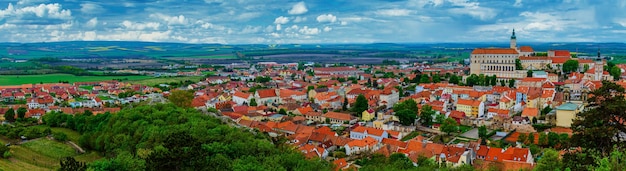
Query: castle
x=502 y=62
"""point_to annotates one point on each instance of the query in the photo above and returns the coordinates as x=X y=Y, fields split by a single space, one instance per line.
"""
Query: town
x=500 y=107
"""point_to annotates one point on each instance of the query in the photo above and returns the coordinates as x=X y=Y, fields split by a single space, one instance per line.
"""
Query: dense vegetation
x=166 y=137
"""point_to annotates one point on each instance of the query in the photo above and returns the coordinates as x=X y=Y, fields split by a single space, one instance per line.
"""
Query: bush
x=59 y=136
x=7 y=154
x=4 y=149
x=541 y=127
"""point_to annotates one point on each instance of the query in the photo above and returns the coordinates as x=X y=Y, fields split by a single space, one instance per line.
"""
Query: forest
x=167 y=137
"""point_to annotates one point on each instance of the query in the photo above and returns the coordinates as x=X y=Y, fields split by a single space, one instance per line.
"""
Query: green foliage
x=174 y=138
x=181 y=98
x=70 y=164
x=449 y=125
x=436 y=78
x=529 y=73
x=253 y=102
x=21 y=112
x=344 y=105
x=426 y=115
x=264 y=79
x=360 y=105
x=60 y=136
x=4 y=149
x=512 y=83
x=616 y=72
x=482 y=134
x=454 y=79
x=518 y=64
x=598 y=127
x=9 y=115
x=546 y=110
x=424 y=79
x=502 y=83
x=570 y=66
x=549 y=161
x=585 y=67
x=282 y=111
x=406 y=117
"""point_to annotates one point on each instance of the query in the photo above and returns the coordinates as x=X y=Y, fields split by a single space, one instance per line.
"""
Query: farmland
x=156 y=81
x=55 y=78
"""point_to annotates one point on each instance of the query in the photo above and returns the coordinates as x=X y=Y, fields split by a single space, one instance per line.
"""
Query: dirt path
x=76 y=147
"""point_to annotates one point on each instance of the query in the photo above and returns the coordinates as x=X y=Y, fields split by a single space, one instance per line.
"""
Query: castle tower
x=513 y=41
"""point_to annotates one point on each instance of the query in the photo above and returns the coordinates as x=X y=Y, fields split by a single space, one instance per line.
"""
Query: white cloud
x=518 y=3
x=326 y=18
x=140 y=26
x=473 y=9
x=28 y=2
x=327 y=29
x=251 y=29
x=394 y=12
x=278 y=27
x=298 y=8
x=91 y=8
x=309 y=31
x=52 y=11
x=281 y=20
x=299 y=19
x=92 y=23
x=170 y=20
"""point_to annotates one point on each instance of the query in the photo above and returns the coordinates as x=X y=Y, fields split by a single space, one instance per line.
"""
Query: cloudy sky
x=328 y=21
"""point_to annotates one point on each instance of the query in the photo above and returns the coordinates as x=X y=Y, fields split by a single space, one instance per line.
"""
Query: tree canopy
x=361 y=104
x=181 y=98
x=570 y=66
x=167 y=137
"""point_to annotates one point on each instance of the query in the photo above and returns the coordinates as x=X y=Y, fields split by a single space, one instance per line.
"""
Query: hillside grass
x=55 y=78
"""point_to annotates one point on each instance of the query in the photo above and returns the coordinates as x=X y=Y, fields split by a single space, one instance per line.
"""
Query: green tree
x=482 y=134
x=598 y=128
x=518 y=64
x=546 y=110
x=344 y=106
x=570 y=66
x=531 y=138
x=424 y=79
x=494 y=80
x=512 y=83
x=282 y=111
x=436 y=78
x=522 y=138
x=585 y=67
x=9 y=115
x=549 y=161
x=21 y=112
x=70 y=164
x=406 y=117
x=529 y=73
x=181 y=98
x=60 y=136
x=616 y=72
x=361 y=104
x=253 y=102
x=449 y=125
x=543 y=140
x=4 y=149
x=426 y=115
x=454 y=79
x=502 y=83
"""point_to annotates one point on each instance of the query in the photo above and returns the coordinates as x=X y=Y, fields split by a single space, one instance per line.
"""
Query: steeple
x=599 y=57
x=514 y=41
x=513 y=35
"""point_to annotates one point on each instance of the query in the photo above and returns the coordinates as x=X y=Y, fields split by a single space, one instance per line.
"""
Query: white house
x=240 y=98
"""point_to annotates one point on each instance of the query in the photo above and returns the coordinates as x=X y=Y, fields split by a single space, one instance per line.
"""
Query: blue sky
x=329 y=21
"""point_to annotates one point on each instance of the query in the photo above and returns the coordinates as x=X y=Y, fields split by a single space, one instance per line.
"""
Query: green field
x=163 y=80
x=55 y=78
x=44 y=154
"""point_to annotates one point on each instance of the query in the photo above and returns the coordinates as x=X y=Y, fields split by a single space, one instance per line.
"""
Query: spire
x=513 y=35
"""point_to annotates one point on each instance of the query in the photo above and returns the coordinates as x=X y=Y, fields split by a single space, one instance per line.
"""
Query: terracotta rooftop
x=495 y=51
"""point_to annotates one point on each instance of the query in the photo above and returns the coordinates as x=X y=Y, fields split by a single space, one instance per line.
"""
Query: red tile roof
x=370 y=131
x=534 y=112
x=265 y=93
x=526 y=49
x=338 y=116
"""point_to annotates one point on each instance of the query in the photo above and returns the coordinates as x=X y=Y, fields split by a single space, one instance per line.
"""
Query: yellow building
x=566 y=113
x=472 y=108
x=368 y=115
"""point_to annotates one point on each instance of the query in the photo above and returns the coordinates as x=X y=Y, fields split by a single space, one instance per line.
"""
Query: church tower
x=598 y=67
x=513 y=41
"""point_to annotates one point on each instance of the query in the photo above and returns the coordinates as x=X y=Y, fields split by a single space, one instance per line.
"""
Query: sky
x=312 y=22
